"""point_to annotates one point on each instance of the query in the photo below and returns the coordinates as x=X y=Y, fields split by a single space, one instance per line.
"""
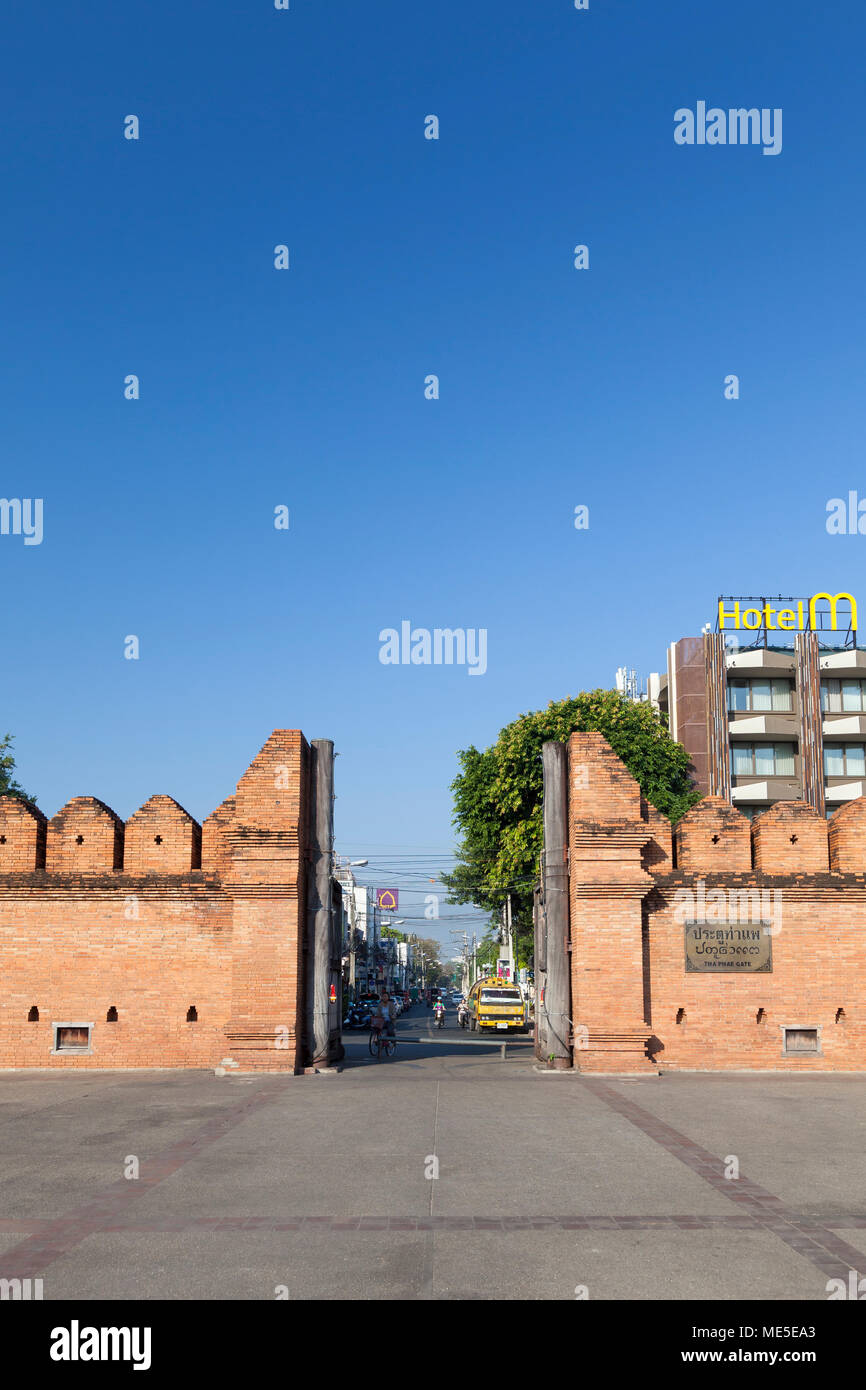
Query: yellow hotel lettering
x=788 y=617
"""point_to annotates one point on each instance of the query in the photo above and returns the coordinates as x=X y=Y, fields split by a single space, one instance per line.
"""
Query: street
x=418 y=1038
x=444 y=1173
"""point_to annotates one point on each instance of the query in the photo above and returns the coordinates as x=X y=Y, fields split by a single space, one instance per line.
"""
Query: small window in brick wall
x=800 y=1041
x=840 y=1015
x=2 y=839
x=192 y=1014
x=72 y=1037
x=33 y=1016
x=79 y=839
x=681 y=1015
x=111 y=1016
x=760 y=1016
x=157 y=839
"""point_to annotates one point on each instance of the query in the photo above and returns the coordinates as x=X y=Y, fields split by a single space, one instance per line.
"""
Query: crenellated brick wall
x=792 y=878
x=179 y=945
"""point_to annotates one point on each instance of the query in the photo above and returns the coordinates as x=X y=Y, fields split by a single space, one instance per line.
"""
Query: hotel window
x=760 y=695
x=844 y=760
x=840 y=696
x=762 y=759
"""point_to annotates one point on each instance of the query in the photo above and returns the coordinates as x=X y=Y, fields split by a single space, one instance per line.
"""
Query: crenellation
x=23 y=830
x=702 y=964
x=157 y=918
x=85 y=837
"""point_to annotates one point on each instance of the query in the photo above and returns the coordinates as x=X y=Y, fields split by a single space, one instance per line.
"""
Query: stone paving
x=324 y=1184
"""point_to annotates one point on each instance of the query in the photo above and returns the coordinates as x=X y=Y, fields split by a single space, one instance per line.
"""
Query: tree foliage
x=498 y=794
x=8 y=785
x=435 y=971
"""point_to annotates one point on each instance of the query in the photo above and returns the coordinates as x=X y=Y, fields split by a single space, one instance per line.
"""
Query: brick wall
x=155 y=919
x=633 y=889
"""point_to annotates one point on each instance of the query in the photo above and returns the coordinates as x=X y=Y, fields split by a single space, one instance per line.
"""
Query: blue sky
x=306 y=387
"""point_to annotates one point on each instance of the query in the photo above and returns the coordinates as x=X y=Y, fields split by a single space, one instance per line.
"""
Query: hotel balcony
x=844 y=725
x=851 y=662
x=764 y=791
x=742 y=663
x=762 y=726
x=844 y=789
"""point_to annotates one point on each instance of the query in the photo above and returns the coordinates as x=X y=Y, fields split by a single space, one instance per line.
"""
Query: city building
x=361 y=943
x=769 y=711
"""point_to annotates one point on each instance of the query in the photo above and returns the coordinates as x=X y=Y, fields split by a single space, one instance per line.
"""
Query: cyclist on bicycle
x=386 y=1009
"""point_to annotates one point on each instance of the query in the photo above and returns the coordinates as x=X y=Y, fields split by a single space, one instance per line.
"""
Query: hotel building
x=770 y=714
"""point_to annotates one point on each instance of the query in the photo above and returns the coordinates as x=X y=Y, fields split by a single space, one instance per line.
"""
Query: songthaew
x=496 y=1005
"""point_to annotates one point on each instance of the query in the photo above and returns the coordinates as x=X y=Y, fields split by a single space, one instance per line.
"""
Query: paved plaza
x=324 y=1187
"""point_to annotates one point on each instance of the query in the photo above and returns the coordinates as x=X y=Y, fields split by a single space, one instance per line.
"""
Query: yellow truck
x=496 y=1006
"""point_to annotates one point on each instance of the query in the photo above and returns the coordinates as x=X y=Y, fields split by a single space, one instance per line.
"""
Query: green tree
x=8 y=784
x=498 y=795
x=435 y=973
x=486 y=955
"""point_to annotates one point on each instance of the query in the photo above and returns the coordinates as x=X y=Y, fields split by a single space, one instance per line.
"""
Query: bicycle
x=379 y=1044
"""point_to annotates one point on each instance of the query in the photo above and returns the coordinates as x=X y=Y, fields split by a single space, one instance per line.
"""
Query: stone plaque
x=729 y=948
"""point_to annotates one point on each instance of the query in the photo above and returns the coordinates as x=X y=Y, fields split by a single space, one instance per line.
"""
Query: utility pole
x=319 y=906
x=512 y=944
x=557 y=991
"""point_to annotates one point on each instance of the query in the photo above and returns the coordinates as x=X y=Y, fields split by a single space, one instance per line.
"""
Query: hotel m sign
x=794 y=617
x=733 y=949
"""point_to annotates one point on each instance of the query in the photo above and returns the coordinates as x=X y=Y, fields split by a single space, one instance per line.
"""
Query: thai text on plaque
x=729 y=948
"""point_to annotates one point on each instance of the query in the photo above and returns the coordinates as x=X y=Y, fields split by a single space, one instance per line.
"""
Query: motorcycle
x=440 y=1017
x=359 y=1016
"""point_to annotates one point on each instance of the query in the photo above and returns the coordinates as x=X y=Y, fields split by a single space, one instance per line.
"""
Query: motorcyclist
x=462 y=1013
x=439 y=1014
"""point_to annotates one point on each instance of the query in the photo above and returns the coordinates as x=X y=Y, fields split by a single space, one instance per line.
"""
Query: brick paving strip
x=758 y=1209
x=326 y=1224
x=53 y=1238
x=809 y=1237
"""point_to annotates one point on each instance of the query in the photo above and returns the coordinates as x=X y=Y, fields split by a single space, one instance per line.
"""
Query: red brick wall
x=22 y=836
x=126 y=921
x=819 y=967
x=713 y=837
x=791 y=838
x=161 y=838
x=629 y=905
x=86 y=837
x=847 y=836
x=607 y=883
